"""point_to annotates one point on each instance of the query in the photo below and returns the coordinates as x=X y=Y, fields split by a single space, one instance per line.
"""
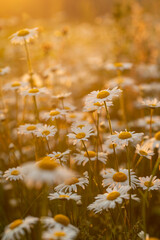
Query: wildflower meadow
x=80 y=120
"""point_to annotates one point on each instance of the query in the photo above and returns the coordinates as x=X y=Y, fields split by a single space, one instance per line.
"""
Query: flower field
x=80 y=124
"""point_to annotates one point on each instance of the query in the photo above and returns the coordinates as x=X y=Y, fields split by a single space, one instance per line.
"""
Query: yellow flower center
x=33 y=90
x=64 y=196
x=71 y=181
x=15 y=172
x=47 y=163
x=142 y=152
x=54 y=113
x=125 y=135
x=113 y=195
x=98 y=104
x=119 y=177
x=59 y=234
x=81 y=126
x=72 y=116
x=57 y=155
x=80 y=135
x=157 y=136
x=23 y=33
x=67 y=108
x=150 y=121
x=15 y=84
x=62 y=219
x=118 y=64
x=120 y=80
x=15 y=223
x=111 y=145
x=31 y=128
x=103 y=94
x=148 y=184
x=46 y=132
x=90 y=153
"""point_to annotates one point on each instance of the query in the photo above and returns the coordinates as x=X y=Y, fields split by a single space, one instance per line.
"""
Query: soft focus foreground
x=79 y=122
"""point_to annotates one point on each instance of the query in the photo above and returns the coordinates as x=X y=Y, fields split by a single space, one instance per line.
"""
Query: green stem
x=111 y=131
x=36 y=109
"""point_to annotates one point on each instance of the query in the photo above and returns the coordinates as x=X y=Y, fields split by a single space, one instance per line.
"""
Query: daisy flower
x=144 y=151
x=28 y=128
x=59 y=234
x=145 y=123
x=59 y=221
x=93 y=106
x=156 y=140
x=121 y=81
x=111 y=198
x=73 y=183
x=81 y=124
x=74 y=116
x=82 y=158
x=146 y=183
x=24 y=35
x=80 y=133
x=63 y=195
x=123 y=138
x=62 y=156
x=69 y=107
x=4 y=71
x=45 y=131
x=46 y=170
x=18 y=228
x=118 y=66
x=55 y=114
x=108 y=147
x=13 y=174
x=113 y=178
x=151 y=103
x=62 y=96
x=103 y=95
x=15 y=85
x=34 y=91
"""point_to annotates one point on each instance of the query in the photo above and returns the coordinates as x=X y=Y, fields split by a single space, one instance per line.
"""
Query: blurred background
x=74 y=10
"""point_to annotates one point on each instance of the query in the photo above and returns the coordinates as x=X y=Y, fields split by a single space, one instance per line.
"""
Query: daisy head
x=4 y=71
x=55 y=114
x=102 y=96
x=118 y=66
x=113 y=178
x=28 y=128
x=82 y=157
x=59 y=221
x=19 y=227
x=13 y=174
x=59 y=234
x=24 y=35
x=61 y=156
x=62 y=96
x=123 y=138
x=34 y=92
x=45 y=131
x=46 y=170
x=151 y=103
x=109 y=199
x=156 y=140
x=72 y=184
x=150 y=183
x=14 y=85
x=144 y=151
x=64 y=196
x=80 y=134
